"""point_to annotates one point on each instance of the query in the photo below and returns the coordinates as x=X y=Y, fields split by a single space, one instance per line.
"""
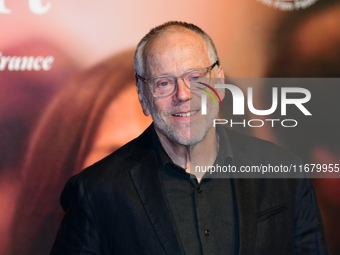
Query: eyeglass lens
x=165 y=85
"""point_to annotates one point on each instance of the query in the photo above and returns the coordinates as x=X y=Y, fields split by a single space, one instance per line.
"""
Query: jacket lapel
x=148 y=183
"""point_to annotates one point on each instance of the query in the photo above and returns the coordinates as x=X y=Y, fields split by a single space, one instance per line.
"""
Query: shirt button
x=199 y=189
x=207 y=232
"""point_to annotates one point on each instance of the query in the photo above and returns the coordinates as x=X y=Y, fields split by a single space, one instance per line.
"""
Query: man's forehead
x=174 y=37
x=177 y=44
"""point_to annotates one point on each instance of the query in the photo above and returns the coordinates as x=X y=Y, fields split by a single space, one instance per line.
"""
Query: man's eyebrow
x=168 y=74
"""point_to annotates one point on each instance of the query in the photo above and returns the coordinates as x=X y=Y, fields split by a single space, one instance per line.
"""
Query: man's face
x=178 y=116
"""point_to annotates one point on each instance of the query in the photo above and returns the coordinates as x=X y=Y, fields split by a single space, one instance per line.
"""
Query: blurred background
x=55 y=122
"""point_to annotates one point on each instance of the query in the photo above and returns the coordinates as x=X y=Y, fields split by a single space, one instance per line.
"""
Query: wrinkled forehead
x=175 y=45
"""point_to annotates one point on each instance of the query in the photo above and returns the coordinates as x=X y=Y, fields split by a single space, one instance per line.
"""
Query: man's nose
x=183 y=91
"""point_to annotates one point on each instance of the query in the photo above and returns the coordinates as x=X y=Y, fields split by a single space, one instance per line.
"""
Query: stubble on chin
x=170 y=132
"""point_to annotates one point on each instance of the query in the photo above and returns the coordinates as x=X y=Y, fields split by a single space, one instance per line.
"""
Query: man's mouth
x=185 y=114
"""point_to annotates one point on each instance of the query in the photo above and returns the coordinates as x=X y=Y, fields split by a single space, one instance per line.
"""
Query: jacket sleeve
x=78 y=232
x=309 y=234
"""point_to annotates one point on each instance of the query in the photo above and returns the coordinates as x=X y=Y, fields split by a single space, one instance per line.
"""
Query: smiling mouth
x=185 y=114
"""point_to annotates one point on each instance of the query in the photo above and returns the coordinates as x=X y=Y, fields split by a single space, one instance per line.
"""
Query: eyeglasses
x=165 y=85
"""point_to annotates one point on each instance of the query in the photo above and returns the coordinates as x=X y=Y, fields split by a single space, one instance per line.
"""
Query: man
x=142 y=199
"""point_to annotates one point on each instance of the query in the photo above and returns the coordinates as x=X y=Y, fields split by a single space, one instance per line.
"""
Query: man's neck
x=203 y=153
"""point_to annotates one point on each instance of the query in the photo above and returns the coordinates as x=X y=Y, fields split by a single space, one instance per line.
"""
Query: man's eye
x=195 y=78
x=163 y=83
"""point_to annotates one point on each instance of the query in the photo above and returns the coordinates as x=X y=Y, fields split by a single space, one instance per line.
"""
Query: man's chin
x=188 y=139
x=180 y=139
x=186 y=136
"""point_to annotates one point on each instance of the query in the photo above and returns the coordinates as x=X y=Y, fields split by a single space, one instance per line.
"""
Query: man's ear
x=221 y=92
x=220 y=72
x=143 y=101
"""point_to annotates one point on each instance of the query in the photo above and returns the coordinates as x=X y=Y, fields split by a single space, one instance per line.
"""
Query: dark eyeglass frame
x=146 y=81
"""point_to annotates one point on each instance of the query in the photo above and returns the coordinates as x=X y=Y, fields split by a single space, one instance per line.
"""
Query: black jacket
x=118 y=206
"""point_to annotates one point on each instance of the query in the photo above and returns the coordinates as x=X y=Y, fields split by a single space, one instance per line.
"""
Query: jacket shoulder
x=121 y=161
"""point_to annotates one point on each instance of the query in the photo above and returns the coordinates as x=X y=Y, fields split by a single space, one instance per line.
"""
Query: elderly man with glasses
x=145 y=199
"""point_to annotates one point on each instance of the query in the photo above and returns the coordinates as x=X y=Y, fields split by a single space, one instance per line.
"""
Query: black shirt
x=203 y=212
